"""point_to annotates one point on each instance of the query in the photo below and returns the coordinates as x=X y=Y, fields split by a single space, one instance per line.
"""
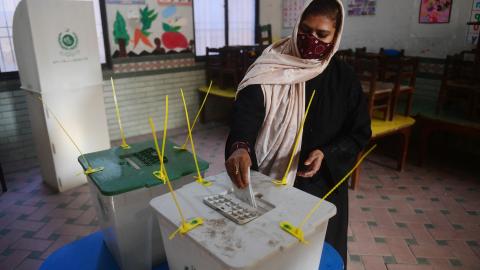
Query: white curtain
x=241 y=22
x=7 y=54
x=209 y=24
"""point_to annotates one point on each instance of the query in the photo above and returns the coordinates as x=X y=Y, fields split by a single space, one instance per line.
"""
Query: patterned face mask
x=311 y=47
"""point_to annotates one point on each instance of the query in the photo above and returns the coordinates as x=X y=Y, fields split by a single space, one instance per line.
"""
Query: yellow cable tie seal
x=161 y=174
x=90 y=169
x=199 y=177
x=185 y=227
x=184 y=145
x=297 y=231
x=124 y=144
x=294 y=231
x=202 y=181
x=283 y=181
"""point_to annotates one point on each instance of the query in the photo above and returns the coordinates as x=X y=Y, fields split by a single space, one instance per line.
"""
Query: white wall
x=143 y=96
x=394 y=26
x=271 y=13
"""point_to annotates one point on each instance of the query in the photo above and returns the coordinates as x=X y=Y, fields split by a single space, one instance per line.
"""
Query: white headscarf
x=282 y=75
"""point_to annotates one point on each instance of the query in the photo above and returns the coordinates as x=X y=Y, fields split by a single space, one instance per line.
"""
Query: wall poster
x=474 y=30
x=435 y=11
x=361 y=7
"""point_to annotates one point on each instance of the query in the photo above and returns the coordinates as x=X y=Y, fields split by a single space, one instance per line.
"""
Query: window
x=8 y=62
x=7 y=55
x=211 y=24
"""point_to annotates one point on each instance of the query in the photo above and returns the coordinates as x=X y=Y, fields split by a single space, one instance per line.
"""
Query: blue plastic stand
x=90 y=253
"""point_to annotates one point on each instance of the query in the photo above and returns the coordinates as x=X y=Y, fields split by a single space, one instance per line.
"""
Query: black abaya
x=338 y=124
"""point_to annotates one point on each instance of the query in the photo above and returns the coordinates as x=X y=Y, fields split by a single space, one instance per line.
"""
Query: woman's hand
x=237 y=167
x=312 y=164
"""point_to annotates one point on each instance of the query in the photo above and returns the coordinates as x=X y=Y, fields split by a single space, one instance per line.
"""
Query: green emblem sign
x=68 y=40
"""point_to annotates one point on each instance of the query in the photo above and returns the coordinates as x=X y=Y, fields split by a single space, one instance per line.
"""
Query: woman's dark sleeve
x=247 y=119
x=340 y=154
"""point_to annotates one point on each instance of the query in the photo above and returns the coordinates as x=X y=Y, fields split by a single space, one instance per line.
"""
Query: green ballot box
x=122 y=191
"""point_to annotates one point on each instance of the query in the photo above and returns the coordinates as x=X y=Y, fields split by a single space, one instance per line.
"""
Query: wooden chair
x=404 y=79
x=224 y=65
x=346 y=55
x=213 y=65
x=232 y=66
x=460 y=82
x=360 y=51
x=379 y=93
x=401 y=126
x=386 y=55
x=249 y=55
x=264 y=37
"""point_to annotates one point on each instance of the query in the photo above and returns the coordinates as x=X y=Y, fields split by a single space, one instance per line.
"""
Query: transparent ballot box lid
x=125 y=170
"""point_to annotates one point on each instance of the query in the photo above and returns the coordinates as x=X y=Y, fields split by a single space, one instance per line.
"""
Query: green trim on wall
x=148 y=58
x=109 y=73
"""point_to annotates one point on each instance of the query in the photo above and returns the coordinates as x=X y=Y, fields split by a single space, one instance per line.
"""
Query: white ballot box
x=221 y=243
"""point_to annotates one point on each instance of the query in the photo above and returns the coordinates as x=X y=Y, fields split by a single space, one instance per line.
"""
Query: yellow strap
x=199 y=175
x=89 y=169
x=152 y=126
x=283 y=181
x=309 y=215
x=165 y=126
x=186 y=227
x=124 y=144
x=184 y=145
x=160 y=173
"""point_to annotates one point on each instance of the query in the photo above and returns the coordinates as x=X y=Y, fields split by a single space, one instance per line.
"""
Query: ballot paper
x=246 y=195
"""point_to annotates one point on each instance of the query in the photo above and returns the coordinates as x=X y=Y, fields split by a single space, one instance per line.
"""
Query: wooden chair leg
x=441 y=99
x=385 y=114
x=355 y=179
x=424 y=135
x=408 y=109
x=393 y=106
x=405 y=139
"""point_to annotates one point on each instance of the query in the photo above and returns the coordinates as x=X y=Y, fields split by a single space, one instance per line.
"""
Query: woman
x=271 y=102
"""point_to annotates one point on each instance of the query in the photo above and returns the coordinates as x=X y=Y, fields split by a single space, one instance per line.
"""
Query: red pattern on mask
x=311 y=47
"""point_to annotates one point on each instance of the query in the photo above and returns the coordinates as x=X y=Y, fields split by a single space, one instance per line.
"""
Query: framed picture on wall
x=435 y=11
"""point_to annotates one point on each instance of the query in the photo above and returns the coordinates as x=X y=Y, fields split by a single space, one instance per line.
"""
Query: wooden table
x=228 y=94
x=434 y=124
x=400 y=125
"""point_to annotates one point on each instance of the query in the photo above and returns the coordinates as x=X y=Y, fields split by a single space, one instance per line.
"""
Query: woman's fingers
x=313 y=168
x=237 y=167
x=313 y=163
x=244 y=165
x=310 y=159
x=229 y=165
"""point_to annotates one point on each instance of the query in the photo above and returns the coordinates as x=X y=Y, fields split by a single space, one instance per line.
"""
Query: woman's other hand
x=312 y=164
x=237 y=167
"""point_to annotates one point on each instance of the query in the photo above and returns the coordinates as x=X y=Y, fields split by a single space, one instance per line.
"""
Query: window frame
x=14 y=75
x=257 y=24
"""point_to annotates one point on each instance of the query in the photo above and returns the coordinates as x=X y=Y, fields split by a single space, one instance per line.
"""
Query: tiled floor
x=423 y=218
